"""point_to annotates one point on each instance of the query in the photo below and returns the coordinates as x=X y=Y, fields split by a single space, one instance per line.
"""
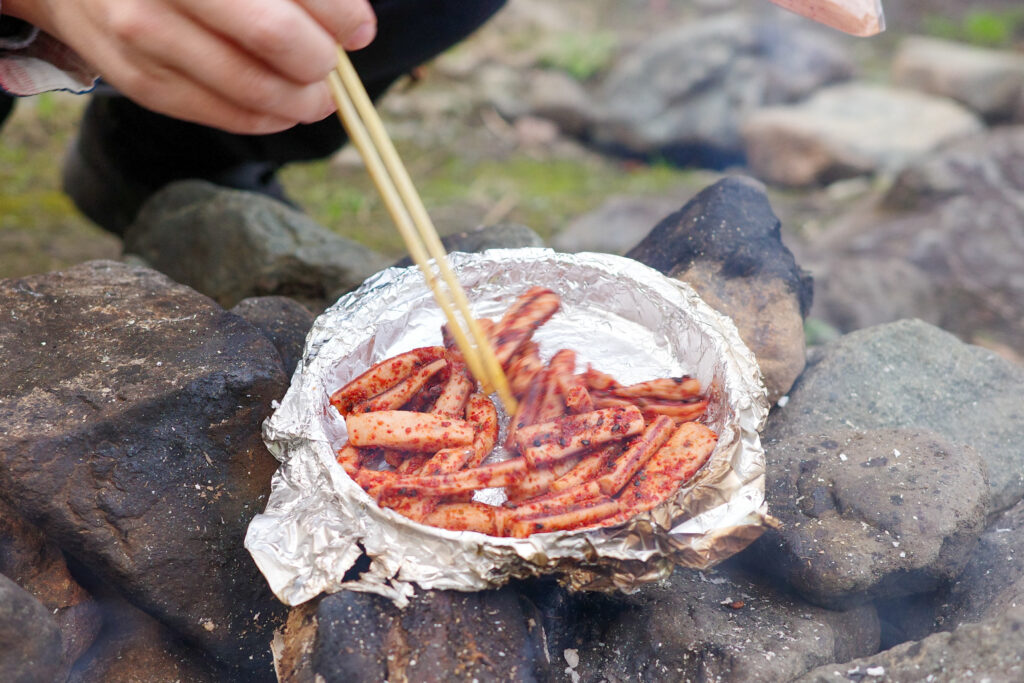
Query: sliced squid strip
x=570 y=519
x=549 y=441
x=530 y=311
x=400 y=394
x=407 y=431
x=382 y=376
x=636 y=455
x=671 y=388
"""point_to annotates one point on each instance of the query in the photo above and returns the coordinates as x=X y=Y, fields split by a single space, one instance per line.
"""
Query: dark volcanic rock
x=993 y=582
x=724 y=626
x=130 y=412
x=135 y=647
x=869 y=515
x=990 y=651
x=727 y=243
x=37 y=565
x=231 y=244
x=442 y=636
x=30 y=647
x=285 y=322
x=912 y=375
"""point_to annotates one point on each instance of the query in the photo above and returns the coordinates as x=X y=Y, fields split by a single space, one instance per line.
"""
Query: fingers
x=278 y=33
x=352 y=23
x=175 y=44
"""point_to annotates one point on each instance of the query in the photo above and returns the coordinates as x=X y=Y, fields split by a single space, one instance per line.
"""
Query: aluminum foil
x=617 y=314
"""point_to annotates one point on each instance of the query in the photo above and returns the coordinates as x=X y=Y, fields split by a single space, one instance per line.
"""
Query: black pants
x=156 y=149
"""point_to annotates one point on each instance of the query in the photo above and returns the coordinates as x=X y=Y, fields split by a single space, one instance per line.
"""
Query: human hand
x=245 y=66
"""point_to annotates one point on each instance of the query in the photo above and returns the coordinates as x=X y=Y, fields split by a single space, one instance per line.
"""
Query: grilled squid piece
x=479 y=517
x=530 y=311
x=382 y=376
x=407 y=431
x=549 y=441
x=599 y=510
x=400 y=394
x=671 y=388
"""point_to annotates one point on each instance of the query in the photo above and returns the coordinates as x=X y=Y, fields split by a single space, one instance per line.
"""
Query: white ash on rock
x=130 y=413
x=992 y=650
x=911 y=375
x=869 y=515
x=231 y=244
x=726 y=242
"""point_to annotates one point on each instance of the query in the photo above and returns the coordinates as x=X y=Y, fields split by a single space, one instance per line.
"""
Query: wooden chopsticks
x=367 y=133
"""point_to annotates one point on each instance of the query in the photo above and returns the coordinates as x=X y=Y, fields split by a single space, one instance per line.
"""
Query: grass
x=462 y=192
x=40 y=229
x=983 y=27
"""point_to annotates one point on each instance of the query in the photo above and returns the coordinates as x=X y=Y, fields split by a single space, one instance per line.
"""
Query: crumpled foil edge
x=318 y=522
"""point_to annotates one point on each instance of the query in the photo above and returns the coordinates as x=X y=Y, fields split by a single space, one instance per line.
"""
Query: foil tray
x=618 y=315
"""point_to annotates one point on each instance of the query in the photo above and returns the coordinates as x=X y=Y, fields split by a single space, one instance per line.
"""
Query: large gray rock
x=912 y=375
x=683 y=94
x=30 y=647
x=130 y=413
x=443 y=636
x=988 y=82
x=955 y=218
x=849 y=130
x=726 y=242
x=990 y=651
x=726 y=626
x=854 y=292
x=993 y=582
x=37 y=565
x=230 y=244
x=870 y=515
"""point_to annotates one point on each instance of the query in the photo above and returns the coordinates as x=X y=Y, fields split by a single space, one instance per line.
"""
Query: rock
x=989 y=651
x=960 y=223
x=500 y=236
x=988 y=82
x=855 y=292
x=869 y=515
x=285 y=322
x=38 y=567
x=726 y=626
x=987 y=166
x=130 y=413
x=615 y=226
x=848 y=130
x=558 y=97
x=993 y=582
x=682 y=94
x=909 y=374
x=727 y=243
x=135 y=647
x=30 y=646
x=230 y=244
x=442 y=636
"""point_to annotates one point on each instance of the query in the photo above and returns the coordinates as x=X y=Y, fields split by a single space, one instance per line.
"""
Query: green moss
x=460 y=194
x=986 y=28
x=582 y=55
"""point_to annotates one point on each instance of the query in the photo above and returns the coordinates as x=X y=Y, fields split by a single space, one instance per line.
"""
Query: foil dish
x=617 y=314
